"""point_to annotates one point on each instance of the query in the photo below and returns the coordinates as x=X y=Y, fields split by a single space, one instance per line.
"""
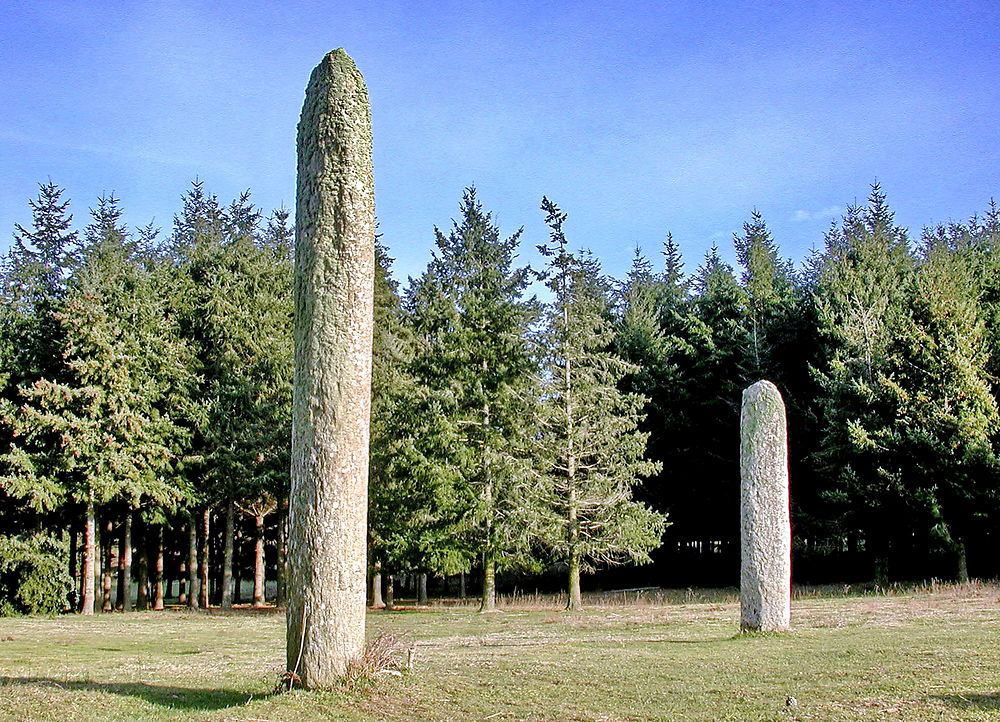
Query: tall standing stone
x=766 y=532
x=334 y=272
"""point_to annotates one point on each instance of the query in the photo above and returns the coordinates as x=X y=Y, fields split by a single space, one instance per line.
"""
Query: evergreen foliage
x=33 y=578
x=589 y=442
x=863 y=292
x=478 y=386
x=151 y=379
x=767 y=285
x=109 y=405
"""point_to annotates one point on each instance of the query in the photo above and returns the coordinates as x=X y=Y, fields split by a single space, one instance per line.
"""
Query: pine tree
x=641 y=339
x=590 y=435
x=420 y=503
x=248 y=320
x=654 y=322
x=707 y=482
x=980 y=241
x=233 y=294
x=675 y=283
x=399 y=513
x=196 y=246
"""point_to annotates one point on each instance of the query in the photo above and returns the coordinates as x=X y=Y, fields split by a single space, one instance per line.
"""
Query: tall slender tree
x=590 y=440
x=473 y=357
x=34 y=289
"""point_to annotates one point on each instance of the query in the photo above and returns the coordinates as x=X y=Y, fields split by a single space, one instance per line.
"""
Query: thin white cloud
x=828 y=213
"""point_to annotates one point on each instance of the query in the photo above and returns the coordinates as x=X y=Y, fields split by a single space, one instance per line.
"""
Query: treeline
x=146 y=391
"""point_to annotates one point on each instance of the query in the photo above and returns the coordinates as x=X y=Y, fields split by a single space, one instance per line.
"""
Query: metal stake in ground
x=766 y=533
x=334 y=271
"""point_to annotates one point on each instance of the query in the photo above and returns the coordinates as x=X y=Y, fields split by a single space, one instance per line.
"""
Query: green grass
x=928 y=654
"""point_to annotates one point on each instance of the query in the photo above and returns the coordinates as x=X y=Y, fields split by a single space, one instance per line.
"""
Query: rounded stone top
x=336 y=102
x=763 y=388
x=336 y=72
x=338 y=57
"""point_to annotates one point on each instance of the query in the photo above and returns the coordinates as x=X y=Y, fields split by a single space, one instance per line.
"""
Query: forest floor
x=929 y=654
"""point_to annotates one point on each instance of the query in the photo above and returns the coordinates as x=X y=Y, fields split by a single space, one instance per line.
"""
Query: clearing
x=928 y=654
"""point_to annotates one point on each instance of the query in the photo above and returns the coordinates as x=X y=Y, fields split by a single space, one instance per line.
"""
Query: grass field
x=920 y=655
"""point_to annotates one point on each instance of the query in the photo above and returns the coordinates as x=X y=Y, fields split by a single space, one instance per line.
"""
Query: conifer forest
x=536 y=428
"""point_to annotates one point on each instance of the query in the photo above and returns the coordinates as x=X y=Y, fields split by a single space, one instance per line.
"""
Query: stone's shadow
x=971 y=700
x=182 y=698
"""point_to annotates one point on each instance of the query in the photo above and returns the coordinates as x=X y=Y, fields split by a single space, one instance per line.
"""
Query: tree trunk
x=377 y=601
x=227 y=558
x=488 y=603
x=158 y=569
x=203 y=558
x=124 y=601
x=282 y=570
x=962 y=562
x=881 y=569
x=216 y=571
x=108 y=554
x=258 y=562
x=422 y=589
x=390 y=592
x=142 y=567
x=575 y=599
x=328 y=504
x=192 y=564
x=461 y=585
x=237 y=570
x=74 y=569
x=87 y=595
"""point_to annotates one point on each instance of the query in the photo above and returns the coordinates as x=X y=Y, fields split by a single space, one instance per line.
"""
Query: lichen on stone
x=765 y=528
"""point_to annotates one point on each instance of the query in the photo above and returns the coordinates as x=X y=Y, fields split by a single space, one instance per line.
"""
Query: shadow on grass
x=182 y=698
x=971 y=700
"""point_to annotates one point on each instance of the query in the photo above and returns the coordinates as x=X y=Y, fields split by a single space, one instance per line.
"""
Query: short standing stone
x=766 y=533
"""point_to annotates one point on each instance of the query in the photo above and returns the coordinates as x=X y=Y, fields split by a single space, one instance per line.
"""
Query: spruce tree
x=232 y=293
x=767 y=283
x=864 y=286
x=473 y=359
x=949 y=414
x=112 y=407
x=33 y=291
x=710 y=482
x=248 y=320
x=590 y=439
x=412 y=514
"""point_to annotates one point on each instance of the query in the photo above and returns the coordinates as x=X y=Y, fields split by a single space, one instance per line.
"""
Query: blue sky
x=637 y=118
